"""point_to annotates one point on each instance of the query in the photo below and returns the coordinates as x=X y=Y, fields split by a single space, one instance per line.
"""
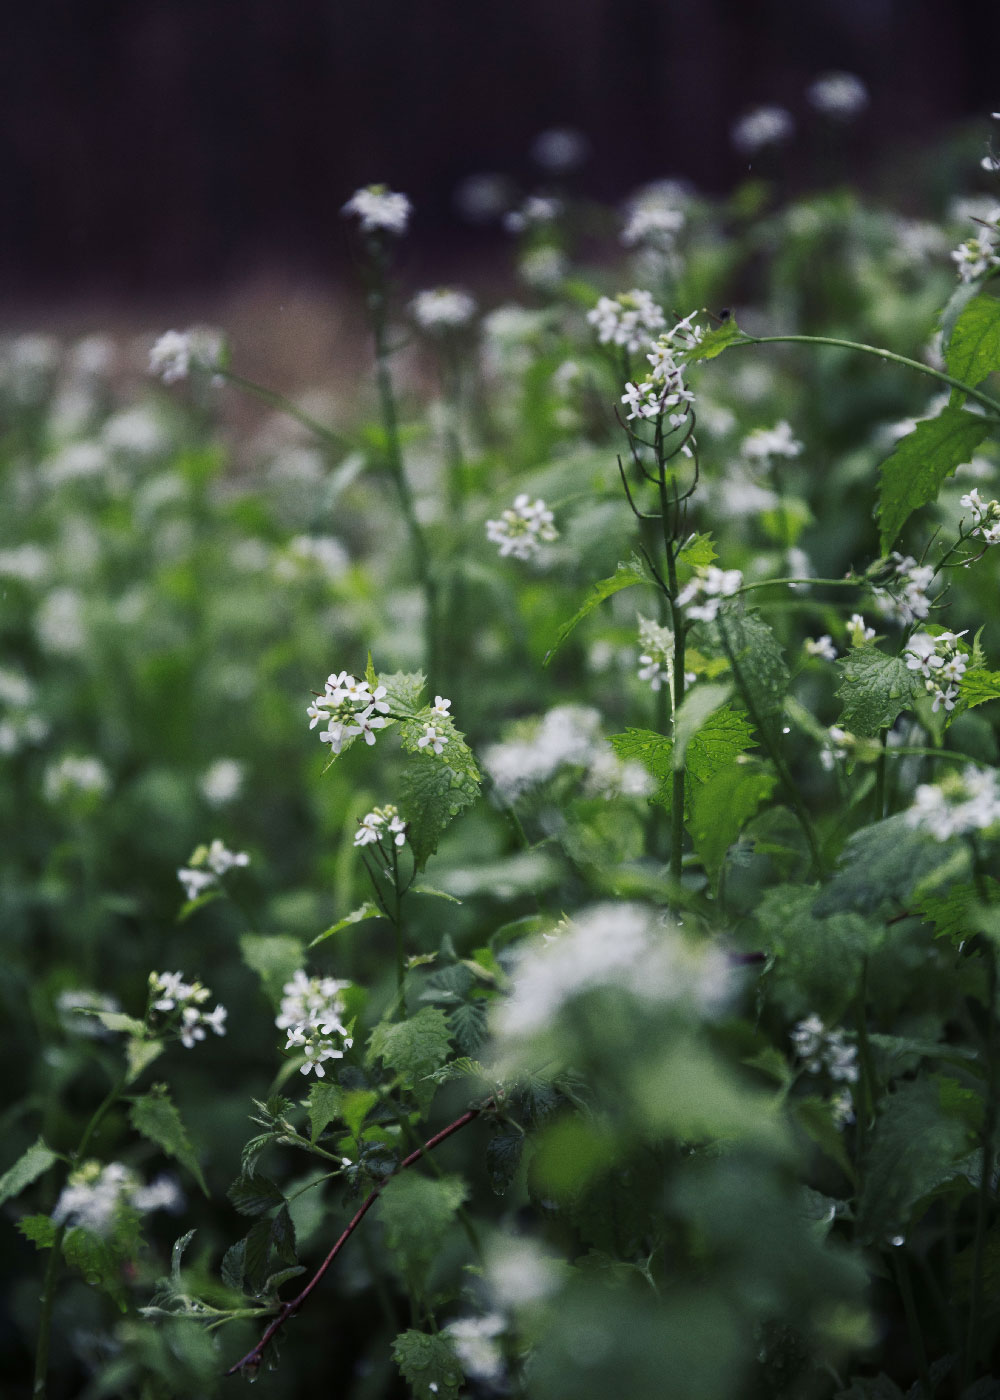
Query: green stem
x=54 y=1265
x=284 y=405
x=394 y=459
x=669 y=527
x=905 y=1286
x=880 y=768
x=889 y=355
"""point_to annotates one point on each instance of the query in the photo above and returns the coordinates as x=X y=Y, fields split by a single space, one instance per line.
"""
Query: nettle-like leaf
x=404 y=691
x=883 y=863
x=915 y=1146
x=434 y=789
x=756 y=659
x=270 y=1240
x=503 y=1157
x=416 y=1212
x=634 y=570
x=818 y=959
x=368 y=910
x=973 y=350
x=428 y=1365
x=724 y=735
x=722 y=805
x=923 y=460
x=467 y=1024
x=875 y=689
x=100 y=1259
x=275 y=958
x=413 y=1049
x=325 y=1105
x=155 y=1118
x=253 y=1194
x=977 y=686
x=954 y=913
x=40 y=1229
x=32 y=1163
x=712 y=343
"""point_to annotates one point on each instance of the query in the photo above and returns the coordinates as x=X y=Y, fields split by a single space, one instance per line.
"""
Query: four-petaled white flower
x=365 y=722
x=433 y=738
x=441 y=707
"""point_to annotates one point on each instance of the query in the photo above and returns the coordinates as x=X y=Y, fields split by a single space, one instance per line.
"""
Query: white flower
x=654 y=225
x=712 y=585
x=377 y=207
x=959 y=804
x=221 y=782
x=560 y=149
x=365 y=723
x=70 y=775
x=906 y=600
x=627 y=320
x=475 y=1344
x=173 y=988
x=822 y=1049
x=432 y=737
x=763 y=126
x=443 y=309
x=337 y=734
x=177 y=353
x=821 y=646
x=221 y=861
x=837 y=745
x=940 y=662
x=859 y=633
x=311 y=1001
x=523 y=528
x=763 y=443
x=535 y=210
x=191 y=1029
x=980 y=253
x=215 y=1020
x=368 y=830
x=441 y=707
x=316 y=1047
x=839 y=95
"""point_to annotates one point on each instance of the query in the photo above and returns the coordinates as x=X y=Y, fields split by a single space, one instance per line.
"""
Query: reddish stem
x=254 y=1357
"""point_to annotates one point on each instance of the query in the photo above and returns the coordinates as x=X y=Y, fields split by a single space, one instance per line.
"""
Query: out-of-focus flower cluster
x=985 y=516
x=177 y=353
x=207 y=866
x=825 y=1051
x=381 y=824
x=980 y=253
x=904 y=598
x=961 y=803
x=182 y=1001
x=523 y=528
x=442 y=309
x=701 y=599
x=379 y=209
x=94 y=1196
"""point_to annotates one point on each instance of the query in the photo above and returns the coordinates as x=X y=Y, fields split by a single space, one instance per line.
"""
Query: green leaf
x=882 y=864
x=413 y=1049
x=155 y=1118
x=756 y=661
x=33 y=1162
x=698 y=552
x=140 y=1054
x=325 y=1103
x=99 y=1261
x=954 y=913
x=915 y=1146
x=118 y=1021
x=713 y=343
x=255 y=1195
x=404 y=691
x=626 y=575
x=356 y=1106
x=913 y=474
x=434 y=789
x=819 y=959
x=654 y=752
x=722 y=805
x=815 y=1117
x=417 y=1212
x=723 y=736
x=233 y=1265
x=368 y=910
x=467 y=1024
x=973 y=350
x=503 y=1157
x=428 y=1365
x=40 y=1229
x=274 y=957
x=696 y=707
x=976 y=687
x=177 y=1254
x=875 y=689
x=436 y=894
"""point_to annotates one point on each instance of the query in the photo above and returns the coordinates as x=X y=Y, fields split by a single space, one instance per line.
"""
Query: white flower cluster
x=474 y=1341
x=702 y=598
x=568 y=736
x=822 y=647
x=70 y=775
x=177 y=353
x=629 y=320
x=838 y=95
x=311 y=1015
x=442 y=309
x=985 y=516
x=656 y=660
x=535 y=211
x=664 y=393
x=959 y=804
x=221 y=782
x=382 y=822
x=523 y=528
x=820 y=1049
x=625 y=946
x=653 y=226
x=941 y=662
x=906 y=600
x=858 y=633
x=763 y=126
x=764 y=443
x=21 y=725
x=208 y=865
x=349 y=708
x=93 y=1196
x=376 y=208
x=836 y=747
x=171 y=993
x=981 y=253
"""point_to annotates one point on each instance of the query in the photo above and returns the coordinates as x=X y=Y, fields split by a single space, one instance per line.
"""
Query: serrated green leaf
x=275 y=958
x=413 y=1049
x=973 y=350
x=875 y=689
x=468 y=1026
x=626 y=575
x=696 y=707
x=756 y=660
x=724 y=734
x=698 y=552
x=368 y=910
x=416 y=1212
x=40 y=1229
x=255 y=1195
x=654 y=751
x=954 y=913
x=99 y=1261
x=503 y=1157
x=325 y=1103
x=117 y=1021
x=818 y=960
x=434 y=789
x=712 y=343
x=722 y=805
x=155 y=1118
x=140 y=1054
x=232 y=1265
x=913 y=474
x=256 y=1254
x=33 y=1162
x=404 y=691
x=177 y=1254
x=428 y=1365
x=882 y=864
x=978 y=686
x=915 y=1146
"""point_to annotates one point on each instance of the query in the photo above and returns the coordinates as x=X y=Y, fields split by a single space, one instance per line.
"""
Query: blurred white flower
x=961 y=803
x=839 y=95
x=27 y=562
x=87 y=776
x=523 y=528
x=560 y=149
x=221 y=781
x=763 y=126
x=442 y=309
x=378 y=208
x=176 y=353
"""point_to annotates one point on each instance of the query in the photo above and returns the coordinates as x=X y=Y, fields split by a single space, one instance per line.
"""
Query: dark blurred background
x=154 y=147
